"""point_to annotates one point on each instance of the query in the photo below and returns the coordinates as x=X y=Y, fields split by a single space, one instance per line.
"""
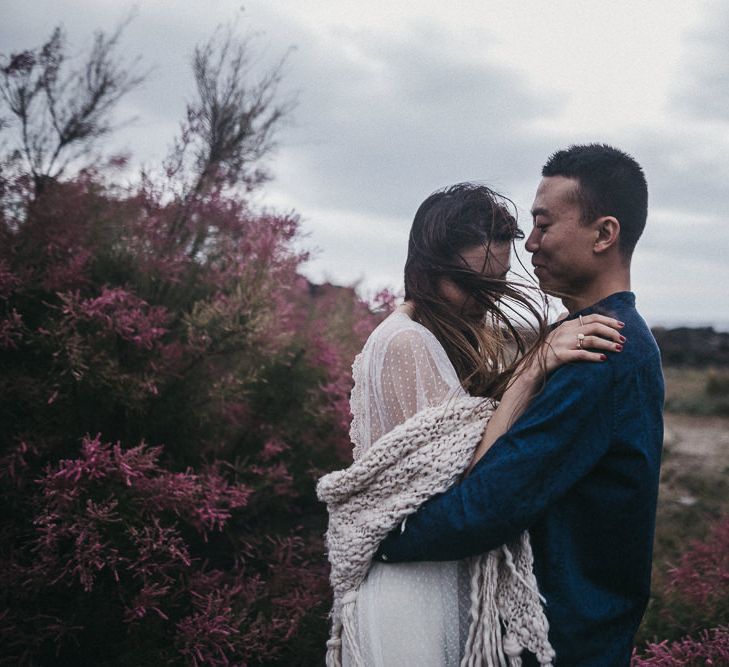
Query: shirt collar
x=607 y=306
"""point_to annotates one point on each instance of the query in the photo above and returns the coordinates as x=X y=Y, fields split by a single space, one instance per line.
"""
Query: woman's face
x=493 y=262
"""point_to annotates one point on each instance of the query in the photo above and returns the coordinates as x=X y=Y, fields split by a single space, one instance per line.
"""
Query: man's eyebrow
x=540 y=211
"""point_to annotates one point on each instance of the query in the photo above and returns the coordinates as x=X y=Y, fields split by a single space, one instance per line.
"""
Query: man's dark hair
x=611 y=182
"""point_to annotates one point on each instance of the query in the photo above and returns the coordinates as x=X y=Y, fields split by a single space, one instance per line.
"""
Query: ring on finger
x=582 y=324
x=580 y=338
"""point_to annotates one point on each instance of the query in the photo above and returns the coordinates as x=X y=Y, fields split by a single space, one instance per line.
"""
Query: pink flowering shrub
x=710 y=648
x=167 y=405
x=692 y=607
x=701 y=577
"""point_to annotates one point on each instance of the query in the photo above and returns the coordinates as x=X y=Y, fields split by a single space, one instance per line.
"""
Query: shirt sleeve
x=560 y=437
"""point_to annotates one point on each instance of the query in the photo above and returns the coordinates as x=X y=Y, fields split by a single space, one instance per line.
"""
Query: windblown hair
x=484 y=351
x=611 y=182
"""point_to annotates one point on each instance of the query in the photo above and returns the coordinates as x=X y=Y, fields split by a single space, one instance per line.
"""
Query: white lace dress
x=406 y=613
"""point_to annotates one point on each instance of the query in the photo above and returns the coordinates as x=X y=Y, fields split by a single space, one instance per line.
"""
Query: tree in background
x=60 y=114
x=170 y=386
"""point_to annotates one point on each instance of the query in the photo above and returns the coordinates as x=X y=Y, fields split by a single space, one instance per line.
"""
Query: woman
x=453 y=336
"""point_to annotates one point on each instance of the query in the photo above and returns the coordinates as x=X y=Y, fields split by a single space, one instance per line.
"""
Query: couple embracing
x=501 y=505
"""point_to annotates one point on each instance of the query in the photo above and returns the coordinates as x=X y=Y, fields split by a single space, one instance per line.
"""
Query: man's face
x=560 y=244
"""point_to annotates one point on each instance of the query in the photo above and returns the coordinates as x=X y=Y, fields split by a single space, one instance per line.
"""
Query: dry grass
x=697 y=391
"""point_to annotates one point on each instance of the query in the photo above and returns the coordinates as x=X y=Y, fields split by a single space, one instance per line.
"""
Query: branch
x=231 y=126
x=60 y=116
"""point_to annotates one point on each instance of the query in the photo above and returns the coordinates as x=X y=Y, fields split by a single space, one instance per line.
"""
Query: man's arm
x=558 y=440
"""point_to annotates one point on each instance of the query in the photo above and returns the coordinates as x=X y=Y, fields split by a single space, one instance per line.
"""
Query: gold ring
x=580 y=338
x=582 y=324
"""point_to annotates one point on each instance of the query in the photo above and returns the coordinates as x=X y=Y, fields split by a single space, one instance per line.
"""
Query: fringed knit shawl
x=415 y=461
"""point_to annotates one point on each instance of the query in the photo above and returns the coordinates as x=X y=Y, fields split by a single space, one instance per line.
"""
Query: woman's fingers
x=596 y=325
x=587 y=355
x=602 y=331
x=599 y=343
x=594 y=318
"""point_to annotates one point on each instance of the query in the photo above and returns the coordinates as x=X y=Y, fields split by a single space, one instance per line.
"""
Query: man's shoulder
x=640 y=349
x=639 y=356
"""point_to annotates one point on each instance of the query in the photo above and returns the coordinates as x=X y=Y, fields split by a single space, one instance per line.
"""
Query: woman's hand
x=586 y=338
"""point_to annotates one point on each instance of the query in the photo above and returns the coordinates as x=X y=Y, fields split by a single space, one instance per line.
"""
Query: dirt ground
x=695 y=448
x=698 y=441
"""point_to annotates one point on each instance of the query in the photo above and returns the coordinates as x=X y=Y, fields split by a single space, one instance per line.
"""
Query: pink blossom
x=711 y=647
x=702 y=575
x=118 y=310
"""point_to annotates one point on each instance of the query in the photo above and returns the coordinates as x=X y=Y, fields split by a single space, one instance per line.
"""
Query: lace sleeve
x=416 y=374
x=401 y=370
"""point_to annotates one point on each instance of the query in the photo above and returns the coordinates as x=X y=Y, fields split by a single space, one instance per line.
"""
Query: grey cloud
x=374 y=133
x=677 y=241
x=703 y=90
x=686 y=163
x=407 y=116
x=694 y=186
x=685 y=172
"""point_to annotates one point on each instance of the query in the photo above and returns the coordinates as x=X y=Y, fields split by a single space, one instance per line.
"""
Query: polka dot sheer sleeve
x=410 y=380
x=401 y=370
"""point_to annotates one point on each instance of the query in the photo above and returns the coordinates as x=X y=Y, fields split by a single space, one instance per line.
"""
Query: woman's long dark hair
x=484 y=351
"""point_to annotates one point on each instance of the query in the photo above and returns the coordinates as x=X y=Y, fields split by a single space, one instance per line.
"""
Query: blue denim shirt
x=580 y=470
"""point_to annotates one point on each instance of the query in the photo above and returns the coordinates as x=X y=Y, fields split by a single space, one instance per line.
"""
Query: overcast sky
x=396 y=99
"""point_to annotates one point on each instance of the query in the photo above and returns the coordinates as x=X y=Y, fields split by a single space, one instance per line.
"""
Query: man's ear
x=608 y=233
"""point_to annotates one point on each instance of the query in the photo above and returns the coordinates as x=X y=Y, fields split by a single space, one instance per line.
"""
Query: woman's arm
x=561 y=347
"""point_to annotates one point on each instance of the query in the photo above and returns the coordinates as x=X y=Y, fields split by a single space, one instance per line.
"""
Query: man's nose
x=531 y=243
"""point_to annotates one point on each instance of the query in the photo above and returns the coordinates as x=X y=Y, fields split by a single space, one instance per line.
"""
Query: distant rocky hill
x=686 y=346
x=321 y=290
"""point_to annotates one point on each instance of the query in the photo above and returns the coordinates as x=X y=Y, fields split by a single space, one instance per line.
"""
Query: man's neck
x=615 y=282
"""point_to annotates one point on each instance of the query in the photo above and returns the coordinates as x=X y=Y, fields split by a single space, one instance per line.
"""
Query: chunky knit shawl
x=415 y=461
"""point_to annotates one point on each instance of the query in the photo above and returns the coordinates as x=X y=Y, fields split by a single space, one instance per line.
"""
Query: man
x=580 y=467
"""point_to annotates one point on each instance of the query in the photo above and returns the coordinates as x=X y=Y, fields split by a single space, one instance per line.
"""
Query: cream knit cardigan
x=417 y=459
